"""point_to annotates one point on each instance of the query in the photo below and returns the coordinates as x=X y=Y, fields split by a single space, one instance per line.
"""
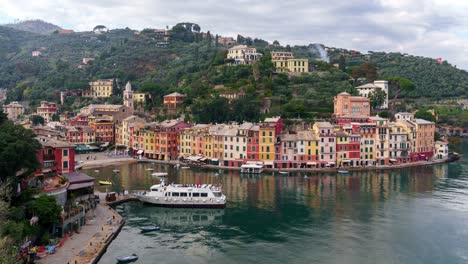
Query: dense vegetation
x=194 y=64
x=430 y=78
x=18 y=159
x=34 y=26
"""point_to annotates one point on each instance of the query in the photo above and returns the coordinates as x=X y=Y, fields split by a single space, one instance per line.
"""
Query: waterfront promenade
x=93 y=239
x=102 y=161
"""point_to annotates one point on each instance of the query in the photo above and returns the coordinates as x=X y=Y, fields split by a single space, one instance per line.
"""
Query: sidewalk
x=85 y=246
x=96 y=160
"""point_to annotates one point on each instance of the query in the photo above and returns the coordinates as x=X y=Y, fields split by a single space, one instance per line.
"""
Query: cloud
x=433 y=28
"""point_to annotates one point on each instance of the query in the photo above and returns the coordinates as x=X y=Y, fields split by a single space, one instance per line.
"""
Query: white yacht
x=184 y=195
x=252 y=168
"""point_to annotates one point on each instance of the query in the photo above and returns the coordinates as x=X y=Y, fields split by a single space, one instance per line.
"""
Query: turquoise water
x=415 y=215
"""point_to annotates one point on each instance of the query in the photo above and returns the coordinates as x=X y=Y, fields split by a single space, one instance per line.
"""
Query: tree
x=426 y=115
x=45 y=207
x=342 y=63
x=3 y=117
x=377 y=97
x=36 y=120
x=18 y=149
x=100 y=28
x=55 y=117
x=276 y=43
x=196 y=28
x=366 y=70
x=398 y=85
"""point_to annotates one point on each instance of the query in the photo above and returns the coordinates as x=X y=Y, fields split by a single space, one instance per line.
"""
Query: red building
x=104 y=130
x=79 y=120
x=253 y=147
x=56 y=155
x=173 y=100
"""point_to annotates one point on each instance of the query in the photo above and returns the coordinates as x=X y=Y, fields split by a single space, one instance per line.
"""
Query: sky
x=431 y=28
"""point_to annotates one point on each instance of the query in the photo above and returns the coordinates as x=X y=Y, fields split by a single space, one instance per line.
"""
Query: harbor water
x=411 y=215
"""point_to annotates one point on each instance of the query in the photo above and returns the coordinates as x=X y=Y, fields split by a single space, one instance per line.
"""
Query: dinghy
x=343 y=172
x=105 y=182
x=149 y=228
x=159 y=174
x=128 y=258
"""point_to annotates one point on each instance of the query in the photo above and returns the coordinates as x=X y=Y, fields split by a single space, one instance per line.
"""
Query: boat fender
x=165 y=199
x=217 y=200
x=157 y=198
x=184 y=200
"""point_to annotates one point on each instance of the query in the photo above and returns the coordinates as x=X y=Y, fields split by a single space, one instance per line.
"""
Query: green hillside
x=34 y=26
x=194 y=64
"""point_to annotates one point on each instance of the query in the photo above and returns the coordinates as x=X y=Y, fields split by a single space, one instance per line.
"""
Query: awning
x=311 y=163
x=140 y=152
x=346 y=161
x=214 y=159
x=77 y=186
x=393 y=160
x=331 y=163
x=202 y=159
x=268 y=162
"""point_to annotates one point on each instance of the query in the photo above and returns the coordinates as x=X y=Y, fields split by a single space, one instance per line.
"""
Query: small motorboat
x=105 y=183
x=343 y=172
x=128 y=258
x=177 y=166
x=96 y=171
x=283 y=172
x=149 y=228
x=159 y=174
x=116 y=171
x=185 y=167
x=149 y=169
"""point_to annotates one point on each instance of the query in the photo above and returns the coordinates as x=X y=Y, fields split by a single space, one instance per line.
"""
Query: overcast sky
x=432 y=28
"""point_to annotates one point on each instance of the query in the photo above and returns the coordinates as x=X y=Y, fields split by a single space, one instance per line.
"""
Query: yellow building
x=100 y=88
x=285 y=62
x=141 y=98
x=267 y=144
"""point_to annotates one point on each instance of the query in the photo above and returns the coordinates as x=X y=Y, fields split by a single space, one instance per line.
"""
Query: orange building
x=345 y=105
x=173 y=100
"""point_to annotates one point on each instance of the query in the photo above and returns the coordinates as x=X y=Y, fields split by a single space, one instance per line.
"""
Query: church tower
x=128 y=97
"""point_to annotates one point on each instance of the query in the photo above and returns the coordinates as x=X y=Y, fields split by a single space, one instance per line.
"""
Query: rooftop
x=175 y=94
x=53 y=143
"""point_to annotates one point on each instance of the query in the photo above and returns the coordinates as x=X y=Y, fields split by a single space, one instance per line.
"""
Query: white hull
x=186 y=202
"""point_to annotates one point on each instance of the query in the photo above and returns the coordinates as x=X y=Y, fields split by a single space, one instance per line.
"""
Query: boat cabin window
x=154 y=190
x=217 y=194
x=196 y=194
x=183 y=194
x=175 y=194
x=204 y=194
x=167 y=194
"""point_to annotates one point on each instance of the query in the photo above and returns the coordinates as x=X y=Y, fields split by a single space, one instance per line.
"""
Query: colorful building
x=241 y=54
x=80 y=134
x=100 y=88
x=285 y=62
x=47 y=110
x=366 y=89
x=56 y=156
x=347 y=105
x=327 y=143
x=173 y=100
x=13 y=110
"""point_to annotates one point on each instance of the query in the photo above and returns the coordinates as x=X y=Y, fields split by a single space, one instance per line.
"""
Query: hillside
x=194 y=64
x=431 y=79
x=34 y=26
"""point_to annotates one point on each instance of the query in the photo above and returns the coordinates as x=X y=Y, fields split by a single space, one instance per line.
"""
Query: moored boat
x=252 y=168
x=185 y=195
x=159 y=174
x=283 y=172
x=128 y=258
x=149 y=228
x=343 y=172
x=149 y=169
x=105 y=183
